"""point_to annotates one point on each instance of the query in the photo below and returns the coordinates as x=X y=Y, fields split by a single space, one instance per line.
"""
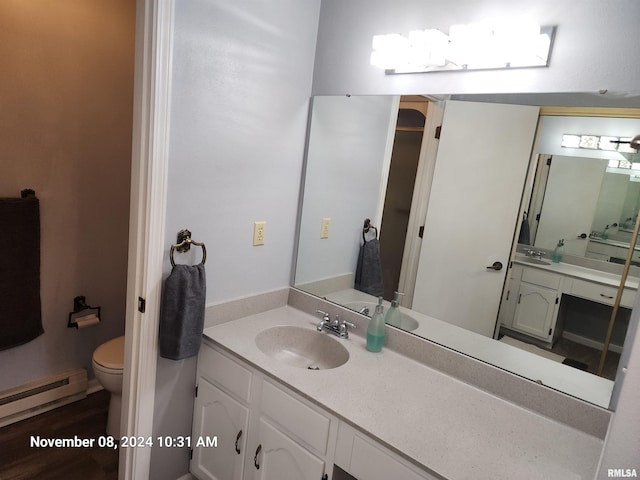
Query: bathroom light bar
x=477 y=46
x=596 y=142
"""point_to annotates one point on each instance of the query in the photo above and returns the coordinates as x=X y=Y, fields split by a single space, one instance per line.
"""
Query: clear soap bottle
x=393 y=316
x=375 y=330
x=558 y=252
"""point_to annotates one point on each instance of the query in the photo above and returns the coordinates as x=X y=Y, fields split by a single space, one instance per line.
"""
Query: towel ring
x=365 y=229
x=184 y=244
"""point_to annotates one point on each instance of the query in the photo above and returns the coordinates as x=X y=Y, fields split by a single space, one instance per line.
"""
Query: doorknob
x=496 y=266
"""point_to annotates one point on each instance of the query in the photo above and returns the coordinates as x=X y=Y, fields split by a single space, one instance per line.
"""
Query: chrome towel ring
x=184 y=243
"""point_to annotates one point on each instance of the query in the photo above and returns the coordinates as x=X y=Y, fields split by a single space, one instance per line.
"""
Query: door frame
x=150 y=158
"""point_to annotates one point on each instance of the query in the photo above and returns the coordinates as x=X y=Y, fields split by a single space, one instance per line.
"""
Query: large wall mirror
x=464 y=226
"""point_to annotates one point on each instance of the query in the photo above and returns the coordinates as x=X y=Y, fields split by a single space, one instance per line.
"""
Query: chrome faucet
x=364 y=310
x=337 y=327
x=534 y=253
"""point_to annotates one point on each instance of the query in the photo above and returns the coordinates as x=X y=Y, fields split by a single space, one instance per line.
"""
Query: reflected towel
x=369 y=269
x=20 y=315
x=524 y=237
x=182 y=312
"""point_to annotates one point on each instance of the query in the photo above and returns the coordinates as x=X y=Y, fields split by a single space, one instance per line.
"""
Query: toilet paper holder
x=80 y=306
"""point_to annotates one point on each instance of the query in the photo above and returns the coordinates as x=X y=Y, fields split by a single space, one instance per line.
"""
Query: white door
x=482 y=162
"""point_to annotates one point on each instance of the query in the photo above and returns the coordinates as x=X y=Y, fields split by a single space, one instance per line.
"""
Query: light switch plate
x=324 y=231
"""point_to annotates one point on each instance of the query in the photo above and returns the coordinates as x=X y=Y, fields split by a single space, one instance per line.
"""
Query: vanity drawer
x=602 y=293
x=307 y=424
x=542 y=278
x=228 y=374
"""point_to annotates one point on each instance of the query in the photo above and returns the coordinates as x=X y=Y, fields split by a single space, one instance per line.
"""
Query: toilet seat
x=110 y=355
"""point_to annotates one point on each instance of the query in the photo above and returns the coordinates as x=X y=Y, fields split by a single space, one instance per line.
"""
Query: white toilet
x=108 y=362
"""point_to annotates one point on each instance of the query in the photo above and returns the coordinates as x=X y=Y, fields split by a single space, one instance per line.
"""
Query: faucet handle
x=325 y=315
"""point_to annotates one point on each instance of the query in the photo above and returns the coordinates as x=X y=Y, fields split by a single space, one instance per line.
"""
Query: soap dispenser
x=393 y=314
x=375 y=330
x=558 y=252
x=605 y=233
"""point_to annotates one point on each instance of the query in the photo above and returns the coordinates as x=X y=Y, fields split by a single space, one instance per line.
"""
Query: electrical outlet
x=259 y=229
x=324 y=231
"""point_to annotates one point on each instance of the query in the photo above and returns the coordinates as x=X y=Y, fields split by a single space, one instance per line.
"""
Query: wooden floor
x=86 y=419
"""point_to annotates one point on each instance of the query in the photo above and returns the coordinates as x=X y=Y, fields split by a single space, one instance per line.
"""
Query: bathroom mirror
x=348 y=170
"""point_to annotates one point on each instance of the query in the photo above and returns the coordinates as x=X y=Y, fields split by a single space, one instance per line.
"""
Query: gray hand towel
x=182 y=312
x=369 y=269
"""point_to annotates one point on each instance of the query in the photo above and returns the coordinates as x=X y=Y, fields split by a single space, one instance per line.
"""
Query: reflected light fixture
x=477 y=46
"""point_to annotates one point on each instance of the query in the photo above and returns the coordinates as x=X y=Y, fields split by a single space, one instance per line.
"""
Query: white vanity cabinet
x=221 y=410
x=262 y=431
x=532 y=302
x=267 y=432
x=363 y=458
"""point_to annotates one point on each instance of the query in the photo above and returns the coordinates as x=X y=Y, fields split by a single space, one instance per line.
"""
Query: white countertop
x=452 y=428
x=575 y=382
x=576 y=271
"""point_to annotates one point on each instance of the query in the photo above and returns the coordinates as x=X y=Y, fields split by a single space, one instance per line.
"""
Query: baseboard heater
x=42 y=395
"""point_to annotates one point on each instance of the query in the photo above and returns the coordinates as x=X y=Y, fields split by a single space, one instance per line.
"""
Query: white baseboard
x=93 y=386
x=589 y=342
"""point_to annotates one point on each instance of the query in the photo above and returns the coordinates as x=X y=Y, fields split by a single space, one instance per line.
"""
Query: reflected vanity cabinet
x=266 y=431
x=531 y=302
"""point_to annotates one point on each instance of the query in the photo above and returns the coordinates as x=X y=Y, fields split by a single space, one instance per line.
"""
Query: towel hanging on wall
x=20 y=314
x=183 y=300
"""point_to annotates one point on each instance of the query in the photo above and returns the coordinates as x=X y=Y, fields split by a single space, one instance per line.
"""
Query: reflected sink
x=302 y=347
x=407 y=322
x=534 y=261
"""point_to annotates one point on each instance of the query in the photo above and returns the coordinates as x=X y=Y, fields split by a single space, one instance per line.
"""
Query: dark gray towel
x=524 y=237
x=20 y=315
x=182 y=312
x=369 y=269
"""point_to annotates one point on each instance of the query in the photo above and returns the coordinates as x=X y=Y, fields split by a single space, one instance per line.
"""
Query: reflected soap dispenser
x=375 y=330
x=558 y=252
x=393 y=316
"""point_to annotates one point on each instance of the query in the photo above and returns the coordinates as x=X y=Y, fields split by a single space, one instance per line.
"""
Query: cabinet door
x=536 y=311
x=277 y=457
x=509 y=303
x=217 y=414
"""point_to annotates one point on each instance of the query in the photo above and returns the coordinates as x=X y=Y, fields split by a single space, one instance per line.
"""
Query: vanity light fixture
x=477 y=46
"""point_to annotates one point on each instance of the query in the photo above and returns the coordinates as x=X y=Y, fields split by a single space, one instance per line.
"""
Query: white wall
x=345 y=143
x=595 y=46
x=241 y=85
x=66 y=97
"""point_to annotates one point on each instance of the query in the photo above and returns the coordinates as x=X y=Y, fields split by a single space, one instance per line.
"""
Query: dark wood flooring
x=86 y=418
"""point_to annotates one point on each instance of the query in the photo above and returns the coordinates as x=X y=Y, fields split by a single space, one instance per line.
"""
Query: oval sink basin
x=301 y=347
x=407 y=322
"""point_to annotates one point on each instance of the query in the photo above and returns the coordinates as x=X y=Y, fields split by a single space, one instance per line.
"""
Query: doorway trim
x=150 y=158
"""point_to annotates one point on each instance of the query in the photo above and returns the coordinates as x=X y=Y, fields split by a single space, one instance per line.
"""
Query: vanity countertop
x=452 y=428
x=584 y=273
x=575 y=382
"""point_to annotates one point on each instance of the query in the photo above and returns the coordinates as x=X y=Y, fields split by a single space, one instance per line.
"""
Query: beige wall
x=66 y=95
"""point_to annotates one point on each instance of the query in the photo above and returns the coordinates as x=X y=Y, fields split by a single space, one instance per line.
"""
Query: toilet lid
x=110 y=354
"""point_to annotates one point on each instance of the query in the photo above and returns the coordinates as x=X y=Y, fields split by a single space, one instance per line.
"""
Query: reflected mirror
x=465 y=226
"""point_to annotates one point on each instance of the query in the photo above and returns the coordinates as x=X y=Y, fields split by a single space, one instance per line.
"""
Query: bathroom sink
x=302 y=347
x=533 y=260
x=407 y=322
